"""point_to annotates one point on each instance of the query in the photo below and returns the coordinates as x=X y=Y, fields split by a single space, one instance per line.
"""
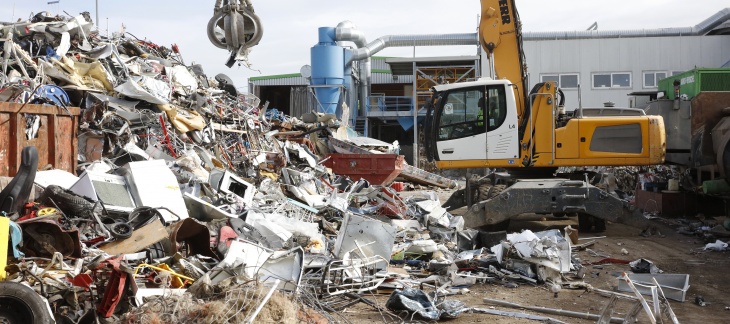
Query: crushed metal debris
x=183 y=200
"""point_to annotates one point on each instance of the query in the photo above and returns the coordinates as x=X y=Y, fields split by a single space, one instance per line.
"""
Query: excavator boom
x=500 y=35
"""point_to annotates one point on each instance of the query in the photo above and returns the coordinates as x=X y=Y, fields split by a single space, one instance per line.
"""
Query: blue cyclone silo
x=328 y=66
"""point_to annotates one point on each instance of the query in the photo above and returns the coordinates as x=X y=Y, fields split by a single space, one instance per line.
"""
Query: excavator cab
x=476 y=125
x=473 y=123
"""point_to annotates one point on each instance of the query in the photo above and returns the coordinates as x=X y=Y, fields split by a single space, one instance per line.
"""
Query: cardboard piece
x=140 y=239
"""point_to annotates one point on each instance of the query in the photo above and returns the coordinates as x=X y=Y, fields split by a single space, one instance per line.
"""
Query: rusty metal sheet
x=378 y=169
x=5 y=147
x=193 y=235
x=707 y=109
x=56 y=140
x=409 y=172
x=44 y=237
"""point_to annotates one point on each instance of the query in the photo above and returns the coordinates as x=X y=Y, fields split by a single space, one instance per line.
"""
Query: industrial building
x=602 y=66
x=608 y=65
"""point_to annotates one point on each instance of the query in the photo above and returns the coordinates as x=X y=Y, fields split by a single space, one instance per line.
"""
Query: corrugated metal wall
x=301 y=101
x=294 y=81
x=378 y=63
x=387 y=78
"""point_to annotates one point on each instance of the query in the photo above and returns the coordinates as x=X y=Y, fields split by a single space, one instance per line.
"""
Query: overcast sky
x=290 y=26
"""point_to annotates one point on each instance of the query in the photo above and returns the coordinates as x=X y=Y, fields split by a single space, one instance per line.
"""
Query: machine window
x=461 y=114
x=496 y=107
x=470 y=112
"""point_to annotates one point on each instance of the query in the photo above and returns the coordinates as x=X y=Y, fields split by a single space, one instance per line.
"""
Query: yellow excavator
x=495 y=122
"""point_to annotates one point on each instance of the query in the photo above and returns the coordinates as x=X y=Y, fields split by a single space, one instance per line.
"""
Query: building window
x=569 y=81
x=651 y=79
x=611 y=80
x=564 y=81
x=550 y=77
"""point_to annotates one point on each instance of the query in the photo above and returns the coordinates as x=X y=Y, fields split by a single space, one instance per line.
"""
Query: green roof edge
x=273 y=77
x=296 y=75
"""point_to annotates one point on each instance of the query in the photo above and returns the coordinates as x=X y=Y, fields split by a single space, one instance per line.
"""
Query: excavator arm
x=500 y=35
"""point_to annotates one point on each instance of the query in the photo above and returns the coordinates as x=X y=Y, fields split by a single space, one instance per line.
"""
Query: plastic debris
x=644 y=266
x=717 y=246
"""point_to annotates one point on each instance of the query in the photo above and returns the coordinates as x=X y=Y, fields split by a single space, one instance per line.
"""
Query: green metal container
x=695 y=81
x=716 y=186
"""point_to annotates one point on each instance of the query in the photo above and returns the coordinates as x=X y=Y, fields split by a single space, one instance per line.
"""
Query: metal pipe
x=414 y=106
x=97 y=13
x=414 y=40
x=552 y=311
x=346 y=31
x=517 y=315
x=580 y=102
x=700 y=29
x=263 y=302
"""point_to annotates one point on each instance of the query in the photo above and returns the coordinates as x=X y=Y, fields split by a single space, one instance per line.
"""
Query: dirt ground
x=670 y=251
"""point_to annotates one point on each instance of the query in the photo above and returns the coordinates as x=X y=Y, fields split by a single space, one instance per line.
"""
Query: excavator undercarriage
x=493 y=204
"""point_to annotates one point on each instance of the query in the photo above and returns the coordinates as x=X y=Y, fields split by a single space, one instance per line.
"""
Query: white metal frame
x=612 y=74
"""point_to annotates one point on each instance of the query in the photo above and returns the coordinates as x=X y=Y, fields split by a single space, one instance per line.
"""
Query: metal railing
x=389 y=103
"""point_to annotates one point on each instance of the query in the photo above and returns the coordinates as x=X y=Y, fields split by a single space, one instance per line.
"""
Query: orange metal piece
x=378 y=169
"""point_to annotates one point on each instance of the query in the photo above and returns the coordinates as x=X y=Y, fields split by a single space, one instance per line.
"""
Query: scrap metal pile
x=193 y=202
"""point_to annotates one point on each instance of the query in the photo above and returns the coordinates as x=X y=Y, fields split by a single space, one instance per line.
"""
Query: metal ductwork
x=700 y=29
x=346 y=31
x=414 y=40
